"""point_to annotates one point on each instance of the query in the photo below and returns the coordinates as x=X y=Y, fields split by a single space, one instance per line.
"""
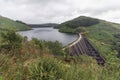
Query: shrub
x=39 y=43
x=53 y=47
x=11 y=39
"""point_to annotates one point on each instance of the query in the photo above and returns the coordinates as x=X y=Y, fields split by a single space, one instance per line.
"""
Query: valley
x=40 y=57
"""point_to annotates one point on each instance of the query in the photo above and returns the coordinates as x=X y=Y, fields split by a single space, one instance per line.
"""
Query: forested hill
x=80 y=21
x=6 y=23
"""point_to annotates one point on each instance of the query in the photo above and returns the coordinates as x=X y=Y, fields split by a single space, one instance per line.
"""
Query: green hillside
x=6 y=23
x=104 y=35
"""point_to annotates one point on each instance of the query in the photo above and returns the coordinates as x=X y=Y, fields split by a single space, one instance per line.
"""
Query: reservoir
x=49 y=34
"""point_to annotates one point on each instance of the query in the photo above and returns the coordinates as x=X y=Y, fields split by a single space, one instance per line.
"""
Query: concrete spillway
x=83 y=46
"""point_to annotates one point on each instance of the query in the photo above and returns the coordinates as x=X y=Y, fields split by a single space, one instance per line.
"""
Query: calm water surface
x=49 y=34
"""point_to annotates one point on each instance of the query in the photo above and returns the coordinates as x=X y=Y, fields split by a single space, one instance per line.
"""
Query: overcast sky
x=57 y=11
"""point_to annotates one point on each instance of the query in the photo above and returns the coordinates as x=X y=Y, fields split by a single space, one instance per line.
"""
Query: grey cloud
x=43 y=11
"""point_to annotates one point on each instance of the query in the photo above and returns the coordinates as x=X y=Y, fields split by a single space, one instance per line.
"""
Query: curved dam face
x=50 y=34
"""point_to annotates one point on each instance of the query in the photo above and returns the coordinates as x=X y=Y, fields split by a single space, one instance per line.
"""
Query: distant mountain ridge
x=43 y=25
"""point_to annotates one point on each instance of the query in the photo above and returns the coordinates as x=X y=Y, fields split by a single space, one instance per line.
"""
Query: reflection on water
x=49 y=34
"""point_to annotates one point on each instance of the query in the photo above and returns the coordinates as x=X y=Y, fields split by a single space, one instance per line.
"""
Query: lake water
x=49 y=34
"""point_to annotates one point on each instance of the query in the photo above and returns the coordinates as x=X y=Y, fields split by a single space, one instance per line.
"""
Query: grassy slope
x=7 y=23
x=34 y=64
x=102 y=37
